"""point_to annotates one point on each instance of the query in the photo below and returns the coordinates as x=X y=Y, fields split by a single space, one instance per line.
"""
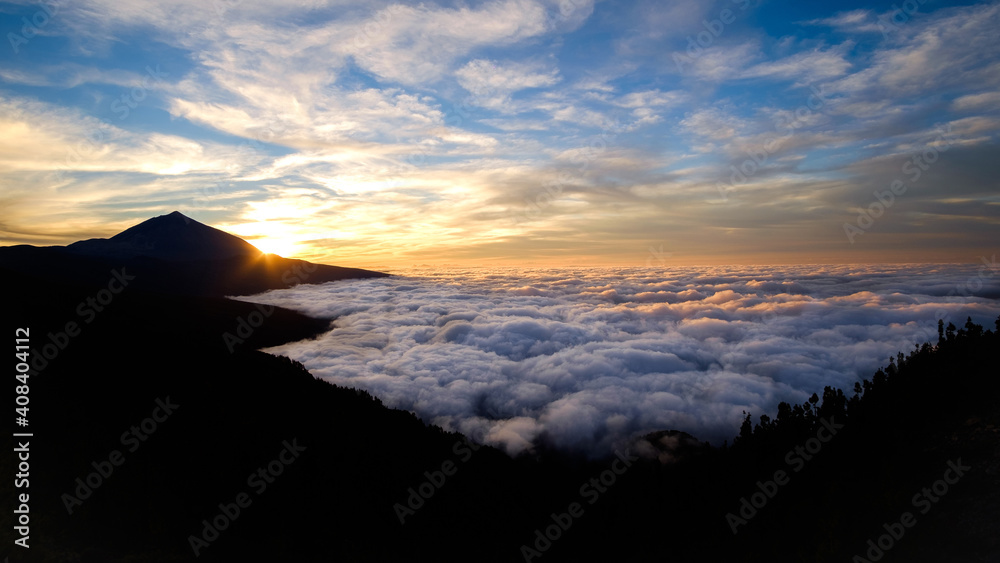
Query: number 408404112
x=21 y=346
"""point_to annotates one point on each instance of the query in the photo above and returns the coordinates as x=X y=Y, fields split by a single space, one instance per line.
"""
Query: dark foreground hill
x=235 y=412
x=363 y=467
x=154 y=440
x=172 y=254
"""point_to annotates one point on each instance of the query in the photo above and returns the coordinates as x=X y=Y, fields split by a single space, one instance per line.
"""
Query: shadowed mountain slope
x=168 y=237
x=172 y=254
x=369 y=483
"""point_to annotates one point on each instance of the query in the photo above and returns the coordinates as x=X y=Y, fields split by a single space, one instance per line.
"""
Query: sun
x=271 y=237
x=283 y=247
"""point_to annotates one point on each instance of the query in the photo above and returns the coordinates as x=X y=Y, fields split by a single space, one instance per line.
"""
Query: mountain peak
x=171 y=254
x=174 y=236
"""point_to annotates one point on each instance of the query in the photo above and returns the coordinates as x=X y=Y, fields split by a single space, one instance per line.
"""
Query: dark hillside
x=153 y=415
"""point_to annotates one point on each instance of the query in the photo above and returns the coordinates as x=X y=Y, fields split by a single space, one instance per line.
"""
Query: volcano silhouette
x=169 y=237
x=171 y=254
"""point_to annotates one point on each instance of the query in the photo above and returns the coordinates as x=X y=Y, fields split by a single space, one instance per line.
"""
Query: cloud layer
x=584 y=359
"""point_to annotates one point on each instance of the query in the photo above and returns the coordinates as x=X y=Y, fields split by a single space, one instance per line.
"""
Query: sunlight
x=285 y=248
x=270 y=237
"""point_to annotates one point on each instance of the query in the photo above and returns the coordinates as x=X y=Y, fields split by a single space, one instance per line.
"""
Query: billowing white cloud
x=585 y=359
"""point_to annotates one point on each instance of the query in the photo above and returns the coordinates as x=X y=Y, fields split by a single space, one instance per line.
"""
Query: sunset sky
x=516 y=132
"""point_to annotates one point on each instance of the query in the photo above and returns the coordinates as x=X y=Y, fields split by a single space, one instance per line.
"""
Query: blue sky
x=510 y=131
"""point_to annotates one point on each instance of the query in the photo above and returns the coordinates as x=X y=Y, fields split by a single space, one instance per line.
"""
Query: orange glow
x=272 y=245
x=271 y=237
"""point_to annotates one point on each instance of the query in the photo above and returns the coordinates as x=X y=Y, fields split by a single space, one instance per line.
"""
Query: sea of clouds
x=586 y=358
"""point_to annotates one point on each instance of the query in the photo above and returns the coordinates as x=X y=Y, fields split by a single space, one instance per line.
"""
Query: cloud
x=805 y=67
x=583 y=144
x=492 y=83
x=650 y=98
x=853 y=21
x=417 y=44
x=952 y=49
x=44 y=138
x=586 y=359
x=984 y=101
x=63 y=165
x=648 y=105
x=721 y=63
x=651 y=22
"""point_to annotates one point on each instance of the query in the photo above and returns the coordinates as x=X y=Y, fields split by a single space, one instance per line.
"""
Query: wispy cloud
x=853 y=21
x=364 y=116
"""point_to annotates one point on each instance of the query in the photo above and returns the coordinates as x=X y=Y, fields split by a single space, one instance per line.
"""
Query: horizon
x=511 y=133
x=651 y=257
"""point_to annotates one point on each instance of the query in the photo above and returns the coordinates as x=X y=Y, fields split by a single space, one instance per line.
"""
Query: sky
x=588 y=358
x=510 y=132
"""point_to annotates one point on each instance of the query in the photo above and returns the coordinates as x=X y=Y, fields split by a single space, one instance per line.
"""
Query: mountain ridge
x=173 y=254
x=174 y=236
